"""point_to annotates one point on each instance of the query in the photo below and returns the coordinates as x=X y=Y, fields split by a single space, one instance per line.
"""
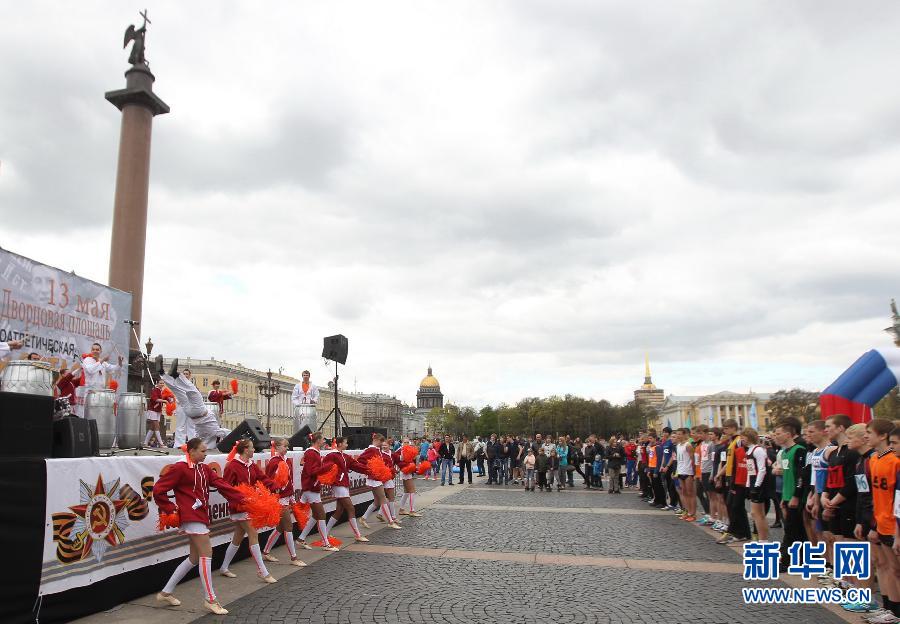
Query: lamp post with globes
x=268 y=388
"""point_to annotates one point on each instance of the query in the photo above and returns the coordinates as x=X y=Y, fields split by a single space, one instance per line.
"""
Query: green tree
x=434 y=421
x=889 y=406
x=798 y=403
x=487 y=421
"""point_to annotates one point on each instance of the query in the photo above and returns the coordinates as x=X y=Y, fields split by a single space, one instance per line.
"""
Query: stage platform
x=82 y=532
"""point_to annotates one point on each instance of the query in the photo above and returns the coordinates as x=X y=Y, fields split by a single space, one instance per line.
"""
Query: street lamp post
x=268 y=388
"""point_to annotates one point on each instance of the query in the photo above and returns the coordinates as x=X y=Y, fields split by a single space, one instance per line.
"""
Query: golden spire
x=648 y=383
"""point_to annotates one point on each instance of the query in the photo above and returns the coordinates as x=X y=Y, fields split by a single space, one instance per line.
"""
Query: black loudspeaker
x=301 y=438
x=72 y=437
x=335 y=349
x=361 y=437
x=95 y=438
x=250 y=429
x=26 y=424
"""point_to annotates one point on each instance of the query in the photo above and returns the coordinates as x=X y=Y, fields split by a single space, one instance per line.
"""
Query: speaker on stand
x=301 y=438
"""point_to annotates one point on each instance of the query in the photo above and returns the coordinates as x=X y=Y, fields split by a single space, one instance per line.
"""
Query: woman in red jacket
x=311 y=491
x=239 y=470
x=190 y=479
x=341 y=488
x=286 y=498
x=378 y=487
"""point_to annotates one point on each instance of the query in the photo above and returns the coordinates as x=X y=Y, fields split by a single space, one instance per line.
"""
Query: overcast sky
x=527 y=195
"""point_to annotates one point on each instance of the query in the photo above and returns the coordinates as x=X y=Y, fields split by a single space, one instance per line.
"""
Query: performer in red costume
x=407 y=465
x=241 y=469
x=341 y=488
x=190 y=480
x=311 y=492
x=373 y=451
x=275 y=472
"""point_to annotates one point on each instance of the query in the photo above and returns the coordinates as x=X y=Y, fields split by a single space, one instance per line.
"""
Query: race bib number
x=785 y=464
x=723 y=456
x=862 y=484
x=897 y=503
x=751 y=467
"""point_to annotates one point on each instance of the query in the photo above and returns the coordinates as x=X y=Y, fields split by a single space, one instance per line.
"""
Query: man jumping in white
x=191 y=401
x=184 y=426
x=93 y=374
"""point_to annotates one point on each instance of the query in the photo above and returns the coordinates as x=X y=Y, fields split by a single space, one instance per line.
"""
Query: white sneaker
x=886 y=618
x=215 y=607
x=330 y=548
x=169 y=599
x=298 y=563
x=363 y=522
x=362 y=538
x=302 y=544
x=227 y=573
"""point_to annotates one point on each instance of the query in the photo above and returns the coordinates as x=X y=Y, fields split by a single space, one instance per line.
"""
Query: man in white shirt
x=191 y=403
x=304 y=399
x=94 y=369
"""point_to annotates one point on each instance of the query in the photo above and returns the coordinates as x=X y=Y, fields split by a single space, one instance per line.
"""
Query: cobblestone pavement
x=355 y=586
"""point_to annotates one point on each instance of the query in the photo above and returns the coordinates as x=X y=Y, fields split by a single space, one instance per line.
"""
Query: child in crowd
x=528 y=464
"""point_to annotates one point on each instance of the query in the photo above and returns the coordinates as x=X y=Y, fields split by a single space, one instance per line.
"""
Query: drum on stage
x=130 y=421
x=305 y=416
x=100 y=405
x=26 y=377
x=213 y=408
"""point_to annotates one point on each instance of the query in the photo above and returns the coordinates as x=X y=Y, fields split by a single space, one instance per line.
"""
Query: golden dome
x=430 y=381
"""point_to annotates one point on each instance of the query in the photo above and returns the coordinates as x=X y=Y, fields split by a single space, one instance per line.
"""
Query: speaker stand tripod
x=336 y=410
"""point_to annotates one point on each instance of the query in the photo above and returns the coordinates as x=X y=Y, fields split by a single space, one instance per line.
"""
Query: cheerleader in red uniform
x=241 y=469
x=286 y=498
x=407 y=468
x=190 y=480
x=379 y=487
x=311 y=492
x=341 y=488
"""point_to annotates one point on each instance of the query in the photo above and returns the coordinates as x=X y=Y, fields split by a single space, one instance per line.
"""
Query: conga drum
x=130 y=420
x=305 y=416
x=27 y=377
x=100 y=406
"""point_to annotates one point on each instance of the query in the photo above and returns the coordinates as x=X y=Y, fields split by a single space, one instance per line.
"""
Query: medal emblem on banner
x=98 y=522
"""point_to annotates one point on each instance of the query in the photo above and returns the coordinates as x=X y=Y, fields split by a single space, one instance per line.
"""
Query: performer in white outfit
x=94 y=369
x=184 y=426
x=304 y=398
x=190 y=401
x=8 y=347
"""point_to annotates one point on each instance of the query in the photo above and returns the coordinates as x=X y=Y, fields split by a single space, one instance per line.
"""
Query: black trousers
x=465 y=464
x=794 y=531
x=479 y=463
x=702 y=489
x=542 y=478
x=644 y=481
x=738 y=524
x=659 y=493
x=492 y=472
x=670 y=487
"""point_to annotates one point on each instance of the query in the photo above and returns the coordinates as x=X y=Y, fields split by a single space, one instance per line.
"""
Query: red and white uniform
x=238 y=472
x=364 y=458
x=285 y=494
x=313 y=466
x=66 y=386
x=155 y=404
x=191 y=483
x=398 y=461
x=389 y=460
x=345 y=463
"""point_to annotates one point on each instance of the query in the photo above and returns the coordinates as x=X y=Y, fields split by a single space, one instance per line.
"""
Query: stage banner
x=58 y=314
x=101 y=520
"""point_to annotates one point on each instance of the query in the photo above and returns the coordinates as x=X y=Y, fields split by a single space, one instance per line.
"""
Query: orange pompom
x=234 y=386
x=170 y=408
x=408 y=454
x=329 y=477
x=113 y=384
x=301 y=513
x=424 y=467
x=260 y=504
x=232 y=453
x=332 y=541
x=168 y=520
x=408 y=469
x=166 y=393
x=282 y=475
x=378 y=470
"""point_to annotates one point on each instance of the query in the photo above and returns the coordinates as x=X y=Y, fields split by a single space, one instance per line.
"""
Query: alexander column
x=139 y=105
